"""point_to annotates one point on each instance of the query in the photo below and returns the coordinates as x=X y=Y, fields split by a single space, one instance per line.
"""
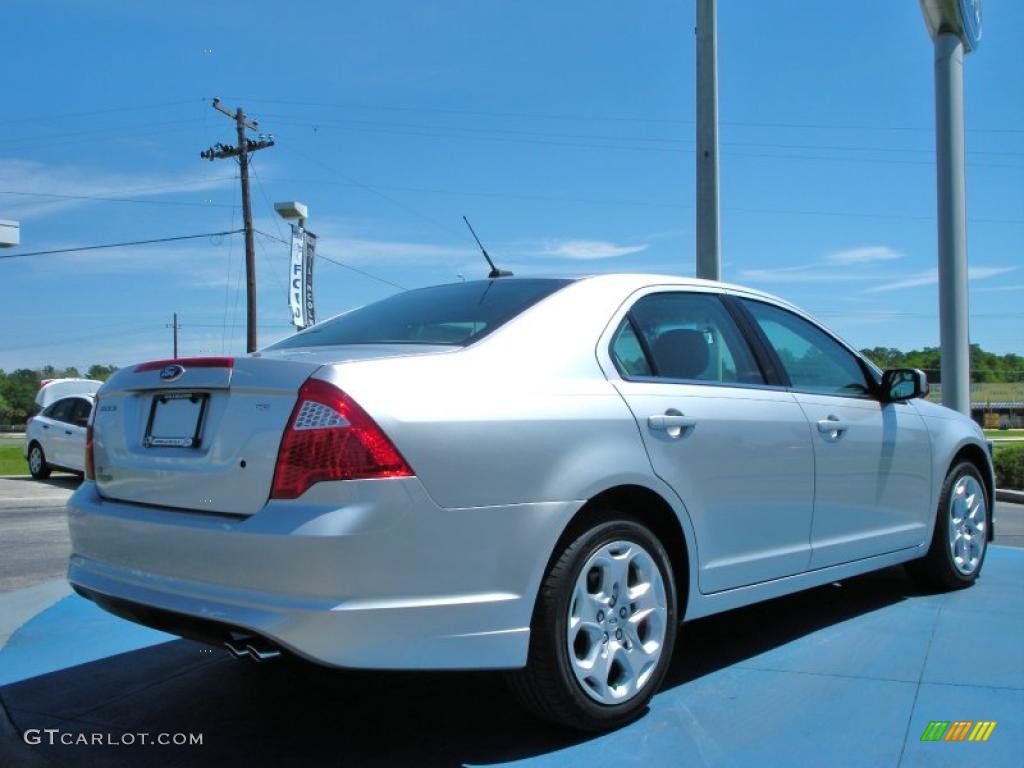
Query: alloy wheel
x=617 y=622
x=968 y=524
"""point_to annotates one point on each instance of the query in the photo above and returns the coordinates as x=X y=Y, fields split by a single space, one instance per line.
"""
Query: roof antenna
x=495 y=272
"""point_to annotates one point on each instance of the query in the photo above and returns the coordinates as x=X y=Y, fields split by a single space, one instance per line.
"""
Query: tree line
x=18 y=388
x=985 y=366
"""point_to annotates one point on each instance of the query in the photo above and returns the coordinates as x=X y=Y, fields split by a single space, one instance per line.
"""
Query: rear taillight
x=329 y=437
x=90 y=465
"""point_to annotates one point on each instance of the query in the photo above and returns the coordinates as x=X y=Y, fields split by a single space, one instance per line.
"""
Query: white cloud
x=589 y=249
x=369 y=251
x=825 y=270
x=865 y=255
x=79 y=183
x=931 y=277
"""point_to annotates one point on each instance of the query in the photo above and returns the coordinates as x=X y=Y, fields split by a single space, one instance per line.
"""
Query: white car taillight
x=90 y=465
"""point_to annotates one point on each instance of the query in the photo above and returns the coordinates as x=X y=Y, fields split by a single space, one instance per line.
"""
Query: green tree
x=18 y=389
x=101 y=372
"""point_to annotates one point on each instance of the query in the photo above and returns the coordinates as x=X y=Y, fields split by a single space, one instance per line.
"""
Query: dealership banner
x=300 y=278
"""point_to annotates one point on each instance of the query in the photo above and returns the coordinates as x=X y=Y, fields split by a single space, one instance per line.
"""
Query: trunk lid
x=205 y=438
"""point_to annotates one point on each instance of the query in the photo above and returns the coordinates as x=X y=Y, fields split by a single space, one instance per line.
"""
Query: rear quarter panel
x=526 y=415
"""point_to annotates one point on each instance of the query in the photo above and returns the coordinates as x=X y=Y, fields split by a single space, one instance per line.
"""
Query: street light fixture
x=10 y=233
x=292 y=210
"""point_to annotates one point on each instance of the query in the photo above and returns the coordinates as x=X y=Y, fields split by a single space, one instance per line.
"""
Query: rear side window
x=813 y=360
x=627 y=353
x=457 y=314
x=687 y=336
x=61 y=410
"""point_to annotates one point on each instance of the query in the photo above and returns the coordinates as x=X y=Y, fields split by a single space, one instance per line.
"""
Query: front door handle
x=672 y=421
x=832 y=428
x=67 y=431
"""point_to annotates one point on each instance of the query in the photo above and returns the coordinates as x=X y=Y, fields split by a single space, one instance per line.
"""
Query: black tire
x=41 y=469
x=937 y=569
x=548 y=685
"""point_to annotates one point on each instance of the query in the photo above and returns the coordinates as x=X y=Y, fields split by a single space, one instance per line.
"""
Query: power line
x=374 y=190
x=362 y=272
x=608 y=118
x=641 y=203
x=119 y=245
x=111 y=110
x=682 y=143
x=102 y=198
x=74 y=137
x=441 y=134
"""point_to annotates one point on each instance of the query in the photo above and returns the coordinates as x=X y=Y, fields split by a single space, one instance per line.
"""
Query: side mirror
x=902 y=384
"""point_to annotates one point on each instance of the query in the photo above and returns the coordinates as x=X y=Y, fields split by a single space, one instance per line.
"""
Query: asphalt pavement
x=34 y=544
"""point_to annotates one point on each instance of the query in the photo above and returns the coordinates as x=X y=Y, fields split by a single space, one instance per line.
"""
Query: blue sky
x=563 y=130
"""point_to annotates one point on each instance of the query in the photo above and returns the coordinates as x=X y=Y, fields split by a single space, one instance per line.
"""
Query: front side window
x=813 y=360
x=80 y=412
x=456 y=314
x=688 y=336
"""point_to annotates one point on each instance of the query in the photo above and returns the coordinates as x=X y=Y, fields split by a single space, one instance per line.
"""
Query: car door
x=736 y=450
x=872 y=458
x=74 y=434
x=55 y=422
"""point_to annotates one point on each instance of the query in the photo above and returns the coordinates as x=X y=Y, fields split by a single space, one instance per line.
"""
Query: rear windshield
x=457 y=314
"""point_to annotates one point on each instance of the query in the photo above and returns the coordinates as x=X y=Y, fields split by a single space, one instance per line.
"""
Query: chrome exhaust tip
x=238 y=651
x=261 y=650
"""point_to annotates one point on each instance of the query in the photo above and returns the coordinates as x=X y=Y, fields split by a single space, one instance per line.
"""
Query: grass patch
x=1015 y=433
x=11 y=461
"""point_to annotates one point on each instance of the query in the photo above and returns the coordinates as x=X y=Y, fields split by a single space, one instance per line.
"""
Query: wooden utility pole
x=245 y=146
x=175 y=327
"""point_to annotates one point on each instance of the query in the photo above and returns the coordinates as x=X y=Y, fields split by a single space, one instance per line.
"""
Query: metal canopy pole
x=709 y=265
x=952 y=222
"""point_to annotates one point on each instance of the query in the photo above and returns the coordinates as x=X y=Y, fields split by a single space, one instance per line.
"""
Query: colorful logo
x=958 y=730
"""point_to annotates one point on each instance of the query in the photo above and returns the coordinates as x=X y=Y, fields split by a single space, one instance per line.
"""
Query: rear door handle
x=832 y=428
x=46 y=426
x=672 y=421
x=67 y=431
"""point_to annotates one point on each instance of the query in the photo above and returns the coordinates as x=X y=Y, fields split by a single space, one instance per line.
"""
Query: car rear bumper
x=366 y=574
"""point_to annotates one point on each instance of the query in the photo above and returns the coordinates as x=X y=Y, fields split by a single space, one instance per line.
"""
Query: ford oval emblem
x=172 y=372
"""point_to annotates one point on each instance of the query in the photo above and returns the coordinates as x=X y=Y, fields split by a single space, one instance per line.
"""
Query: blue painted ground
x=846 y=675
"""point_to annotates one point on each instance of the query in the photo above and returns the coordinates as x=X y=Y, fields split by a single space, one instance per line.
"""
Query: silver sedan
x=544 y=476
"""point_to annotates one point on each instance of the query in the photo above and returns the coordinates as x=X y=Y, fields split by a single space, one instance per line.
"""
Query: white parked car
x=55 y=438
x=544 y=476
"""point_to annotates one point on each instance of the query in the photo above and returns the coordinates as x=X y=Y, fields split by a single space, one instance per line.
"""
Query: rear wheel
x=37 y=465
x=603 y=628
x=960 y=537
